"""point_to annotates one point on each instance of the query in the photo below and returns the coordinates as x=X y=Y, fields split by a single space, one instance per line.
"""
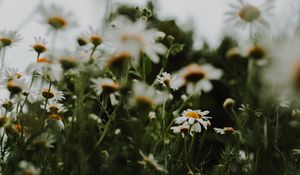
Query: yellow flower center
x=67 y=62
x=3 y=121
x=13 y=87
x=39 y=48
x=118 y=60
x=193 y=114
x=96 y=39
x=228 y=130
x=194 y=74
x=53 y=109
x=47 y=93
x=256 y=52
x=144 y=101
x=4 y=42
x=110 y=88
x=249 y=13
x=44 y=60
x=131 y=37
x=57 y=22
x=55 y=117
x=297 y=76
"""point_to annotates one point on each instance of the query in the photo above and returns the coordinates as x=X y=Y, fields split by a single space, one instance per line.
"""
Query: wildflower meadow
x=134 y=96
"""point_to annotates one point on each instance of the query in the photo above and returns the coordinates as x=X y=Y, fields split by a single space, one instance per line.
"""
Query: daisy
x=46 y=67
x=53 y=93
x=168 y=81
x=56 y=18
x=40 y=45
x=54 y=107
x=7 y=104
x=45 y=140
x=224 y=130
x=254 y=17
x=9 y=38
x=134 y=38
x=151 y=162
x=7 y=74
x=283 y=75
x=145 y=95
x=27 y=168
x=15 y=129
x=194 y=116
x=183 y=128
x=55 y=121
x=107 y=86
x=94 y=36
x=17 y=86
x=197 y=77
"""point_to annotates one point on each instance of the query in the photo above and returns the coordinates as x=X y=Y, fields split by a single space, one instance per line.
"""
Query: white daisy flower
x=197 y=77
x=9 y=74
x=9 y=38
x=52 y=94
x=45 y=140
x=94 y=36
x=253 y=17
x=27 y=168
x=17 y=86
x=57 y=18
x=134 y=38
x=194 y=116
x=54 y=107
x=40 y=45
x=107 y=86
x=151 y=162
x=224 y=130
x=147 y=95
x=46 y=67
x=168 y=81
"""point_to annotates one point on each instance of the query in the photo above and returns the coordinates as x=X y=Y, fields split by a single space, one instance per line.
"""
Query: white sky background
x=205 y=16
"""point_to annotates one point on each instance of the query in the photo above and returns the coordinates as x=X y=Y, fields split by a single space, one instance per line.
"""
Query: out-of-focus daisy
x=224 y=130
x=17 y=86
x=168 y=80
x=54 y=121
x=15 y=129
x=9 y=38
x=106 y=86
x=115 y=60
x=197 y=77
x=134 y=38
x=7 y=104
x=53 y=93
x=7 y=74
x=46 y=67
x=150 y=162
x=254 y=17
x=56 y=18
x=183 y=128
x=54 y=107
x=94 y=36
x=27 y=168
x=144 y=95
x=45 y=140
x=40 y=45
x=283 y=75
x=194 y=116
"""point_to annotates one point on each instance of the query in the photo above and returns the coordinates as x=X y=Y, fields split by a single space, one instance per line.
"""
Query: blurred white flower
x=56 y=18
x=134 y=38
x=27 y=168
x=224 y=130
x=147 y=95
x=197 y=77
x=169 y=81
